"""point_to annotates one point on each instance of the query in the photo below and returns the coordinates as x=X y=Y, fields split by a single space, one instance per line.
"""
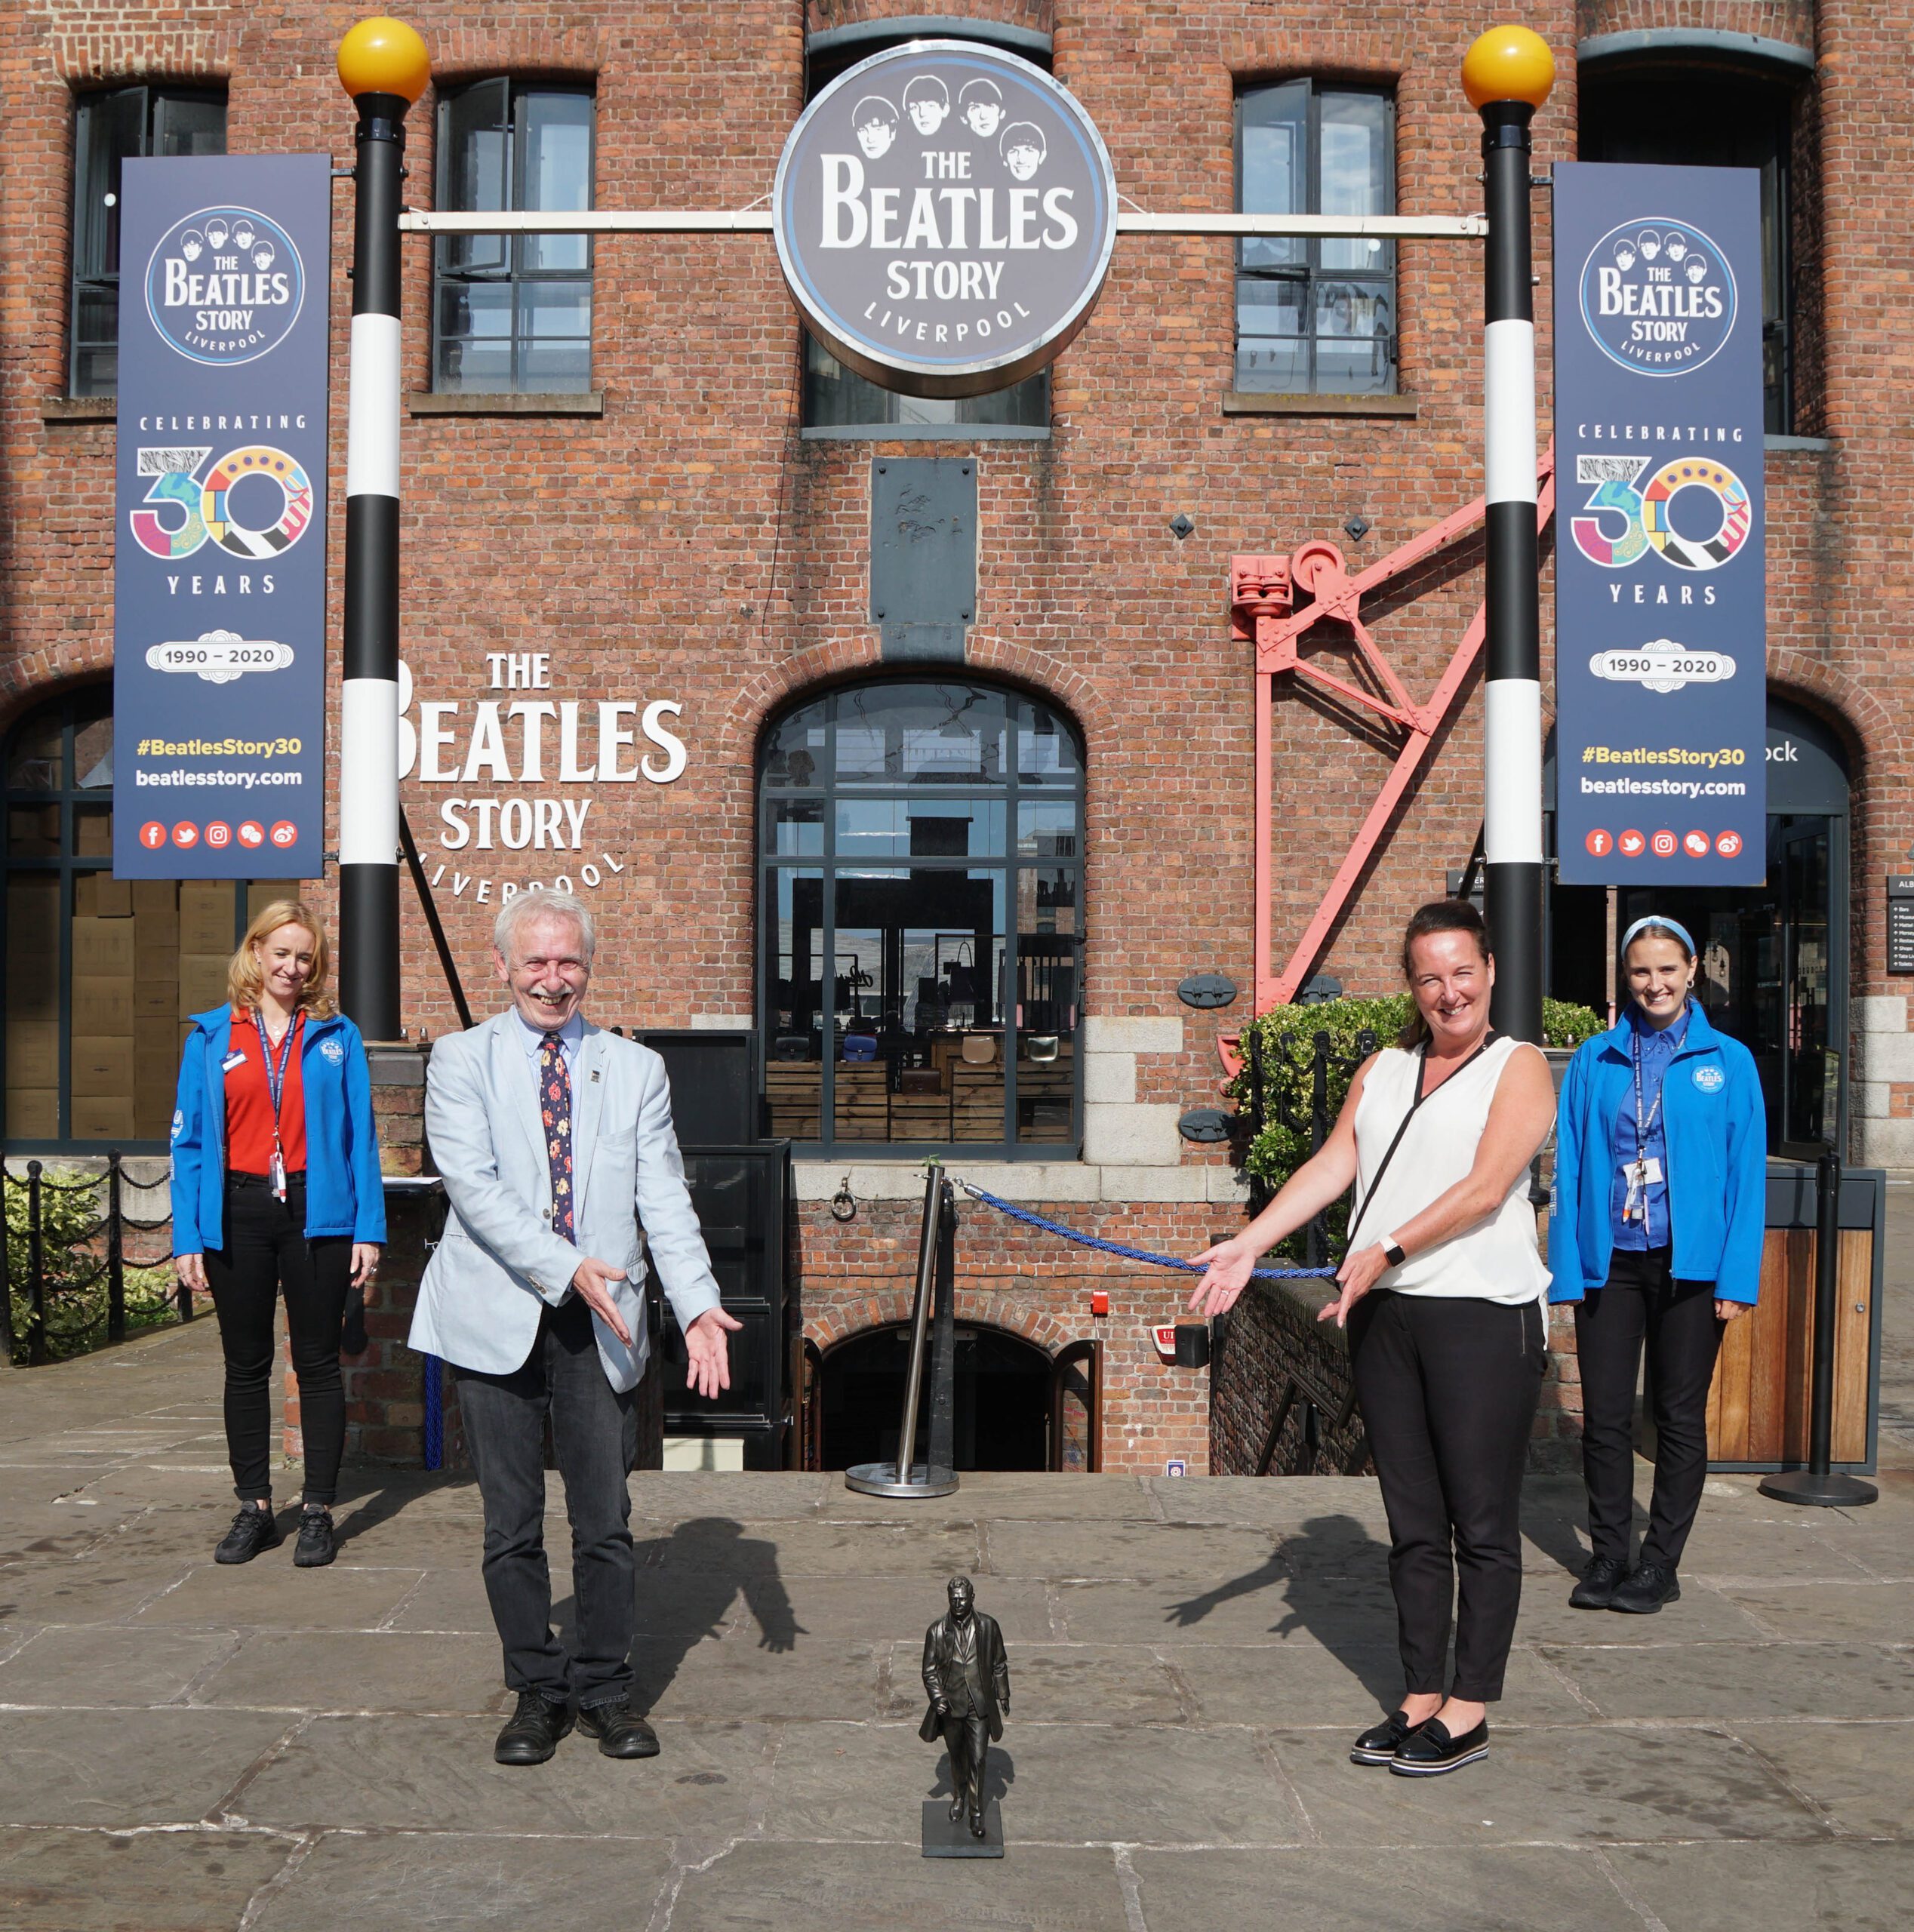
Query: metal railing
x=67 y=1258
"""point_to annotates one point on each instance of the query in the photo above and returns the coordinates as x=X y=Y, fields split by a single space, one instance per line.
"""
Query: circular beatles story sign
x=944 y=214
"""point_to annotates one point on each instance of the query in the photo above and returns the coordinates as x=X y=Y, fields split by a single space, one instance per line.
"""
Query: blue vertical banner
x=1661 y=634
x=218 y=552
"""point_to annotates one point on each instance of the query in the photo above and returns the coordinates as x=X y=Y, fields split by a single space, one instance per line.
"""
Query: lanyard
x=1643 y=1125
x=275 y=1086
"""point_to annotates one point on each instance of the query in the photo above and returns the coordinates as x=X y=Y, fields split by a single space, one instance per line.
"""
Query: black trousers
x=594 y=1432
x=1642 y=1302
x=967 y=1737
x=266 y=1254
x=1448 y=1389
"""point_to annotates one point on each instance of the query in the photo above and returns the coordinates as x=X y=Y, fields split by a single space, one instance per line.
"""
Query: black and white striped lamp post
x=384 y=67
x=1507 y=74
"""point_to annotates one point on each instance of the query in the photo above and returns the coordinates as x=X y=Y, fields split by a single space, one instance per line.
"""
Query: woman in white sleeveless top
x=1441 y=1292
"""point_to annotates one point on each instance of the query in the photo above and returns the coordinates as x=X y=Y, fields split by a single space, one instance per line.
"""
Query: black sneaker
x=1596 y=1591
x=1380 y=1743
x=1644 y=1593
x=253 y=1530
x=316 y=1542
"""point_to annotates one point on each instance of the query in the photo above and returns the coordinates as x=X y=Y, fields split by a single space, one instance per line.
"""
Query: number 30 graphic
x=1644 y=512
x=206 y=508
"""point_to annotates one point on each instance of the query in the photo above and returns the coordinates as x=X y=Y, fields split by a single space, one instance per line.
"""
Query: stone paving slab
x=1580 y=1784
x=186 y=1746
x=1860 y=1777
x=63 y=1881
x=1440 y=1891
x=1724 y=1888
x=419 y=1881
x=427 y=1773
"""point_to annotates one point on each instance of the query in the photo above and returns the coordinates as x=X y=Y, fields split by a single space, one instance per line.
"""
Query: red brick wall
x=687 y=544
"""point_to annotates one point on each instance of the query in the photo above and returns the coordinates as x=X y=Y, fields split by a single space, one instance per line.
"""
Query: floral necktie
x=554 y=1108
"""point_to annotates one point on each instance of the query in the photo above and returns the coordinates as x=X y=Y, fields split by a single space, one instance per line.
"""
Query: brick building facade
x=673 y=529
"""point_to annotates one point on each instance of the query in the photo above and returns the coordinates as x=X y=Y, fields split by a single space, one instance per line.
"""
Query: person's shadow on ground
x=685 y=1585
x=1328 y=1573
x=369 y=1498
x=999 y=1774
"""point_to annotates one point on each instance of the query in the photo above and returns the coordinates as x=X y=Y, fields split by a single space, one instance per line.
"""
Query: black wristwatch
x=1393 y=1254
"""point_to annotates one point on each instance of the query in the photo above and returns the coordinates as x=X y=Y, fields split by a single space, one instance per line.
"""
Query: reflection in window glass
x=1316 y=315
x=905 y=1004
x=513 y=312
x=110 y=129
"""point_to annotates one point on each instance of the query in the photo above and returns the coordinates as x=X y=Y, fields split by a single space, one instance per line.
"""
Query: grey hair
x=538 y=904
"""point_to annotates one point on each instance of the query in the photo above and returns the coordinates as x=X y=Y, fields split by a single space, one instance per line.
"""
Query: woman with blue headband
x=1661 y=1157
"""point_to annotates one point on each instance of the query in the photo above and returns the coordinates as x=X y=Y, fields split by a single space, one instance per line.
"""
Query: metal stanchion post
x=905 y=1477
x=115 y=1254
x=1819 y=1484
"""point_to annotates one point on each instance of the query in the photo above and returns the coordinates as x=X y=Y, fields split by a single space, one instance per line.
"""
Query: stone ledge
x=1253 y=402
x=80 y=409
x=583 y=402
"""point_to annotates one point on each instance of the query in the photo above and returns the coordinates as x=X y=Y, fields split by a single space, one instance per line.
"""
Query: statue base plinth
x=947 y=1837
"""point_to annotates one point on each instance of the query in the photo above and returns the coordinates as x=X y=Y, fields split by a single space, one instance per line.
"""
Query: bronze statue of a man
x=967 y=1678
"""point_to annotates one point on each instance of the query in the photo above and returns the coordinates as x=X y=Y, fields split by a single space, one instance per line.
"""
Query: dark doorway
x=1773 y=957
x=1002 y=1399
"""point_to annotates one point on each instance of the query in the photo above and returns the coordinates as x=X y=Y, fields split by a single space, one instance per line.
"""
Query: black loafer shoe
x=1430 y=1751
x=1380 y=1744
x=253 y=1530
x=1646 y=1591
x=316 y=1547
x=1596 y=1591
x=620 y=1731
x=532 y=1733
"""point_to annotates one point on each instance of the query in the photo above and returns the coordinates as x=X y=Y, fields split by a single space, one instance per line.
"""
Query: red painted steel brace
x=1260 y=596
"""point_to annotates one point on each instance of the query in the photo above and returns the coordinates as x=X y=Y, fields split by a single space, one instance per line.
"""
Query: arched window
x=100 y=972
x=921 y=921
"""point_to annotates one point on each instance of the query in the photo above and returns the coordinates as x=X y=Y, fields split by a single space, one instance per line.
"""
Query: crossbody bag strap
x=1422 y=1067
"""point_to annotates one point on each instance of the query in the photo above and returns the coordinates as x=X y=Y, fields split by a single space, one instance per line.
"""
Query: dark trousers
x=266 y=1254
x=967 y=1737
x=594 y=1432
x=1641 y=1302
x=1448 y=1389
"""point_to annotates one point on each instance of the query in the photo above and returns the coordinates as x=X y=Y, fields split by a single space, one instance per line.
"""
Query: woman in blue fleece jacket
x=1661 y=1157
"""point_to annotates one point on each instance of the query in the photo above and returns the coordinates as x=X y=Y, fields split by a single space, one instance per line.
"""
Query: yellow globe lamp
x=1506 y=64
x=384 y=56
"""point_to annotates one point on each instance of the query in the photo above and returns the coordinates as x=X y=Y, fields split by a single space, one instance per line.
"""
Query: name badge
x=1646 y=1172
x=235 y=1058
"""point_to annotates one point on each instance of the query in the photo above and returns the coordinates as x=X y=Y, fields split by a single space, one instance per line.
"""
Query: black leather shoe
x=532 y=1733
x=1380 y=1744
x=316 y=1548
x=1596 y=1591
x=1430 y=1751
x=977 y=1824
x=620 y=1731
x=1646 y=1591
x=253 y=1530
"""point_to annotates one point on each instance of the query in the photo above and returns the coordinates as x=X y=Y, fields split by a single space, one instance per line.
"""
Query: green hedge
x=1286 y=1036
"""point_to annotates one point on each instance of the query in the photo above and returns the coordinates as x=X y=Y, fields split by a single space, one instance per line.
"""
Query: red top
x=249 y=1102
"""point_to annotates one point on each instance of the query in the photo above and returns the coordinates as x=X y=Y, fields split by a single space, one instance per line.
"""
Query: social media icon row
x=1632 y=844
x=218 y=835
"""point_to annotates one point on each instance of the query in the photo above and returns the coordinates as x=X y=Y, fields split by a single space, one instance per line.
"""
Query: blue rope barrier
x=1134 y=1254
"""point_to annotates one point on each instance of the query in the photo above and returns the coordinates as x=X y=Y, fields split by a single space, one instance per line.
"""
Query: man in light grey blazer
x=554 y=1139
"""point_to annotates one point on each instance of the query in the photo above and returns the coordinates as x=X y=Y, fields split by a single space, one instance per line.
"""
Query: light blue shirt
x=1657 y=1047
x=572 y=1037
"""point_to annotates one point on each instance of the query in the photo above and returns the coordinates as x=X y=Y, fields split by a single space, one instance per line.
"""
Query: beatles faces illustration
x=981 y=103
x=876 y=121
x=927 y=101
